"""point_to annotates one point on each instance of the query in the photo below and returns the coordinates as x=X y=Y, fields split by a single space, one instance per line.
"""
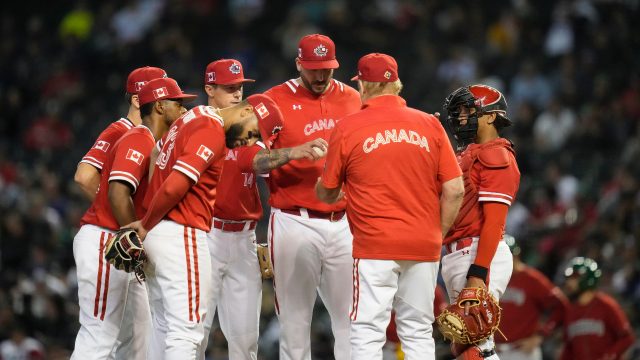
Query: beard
x=311 y=85
x=232 y=136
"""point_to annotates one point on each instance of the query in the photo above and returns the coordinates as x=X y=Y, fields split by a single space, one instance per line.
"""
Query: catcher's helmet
x=484 y=99
x=513 y=245
x=586 y=270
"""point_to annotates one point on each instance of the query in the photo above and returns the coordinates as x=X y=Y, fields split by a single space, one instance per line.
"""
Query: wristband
x=478 y=271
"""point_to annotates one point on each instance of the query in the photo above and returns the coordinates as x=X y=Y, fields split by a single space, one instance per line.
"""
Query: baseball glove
x=125 y=252
x=481 y=322
x=266 y=270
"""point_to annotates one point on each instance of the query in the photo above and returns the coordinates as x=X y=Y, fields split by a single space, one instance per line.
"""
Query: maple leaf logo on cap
x=262 y=111
x=160 y=92
x=321 y=50
x=211 y=76
x=234 y=68
x=480 y=101
x=139 y=85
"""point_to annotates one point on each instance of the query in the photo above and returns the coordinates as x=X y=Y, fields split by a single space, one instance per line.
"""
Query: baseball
x=319 y=151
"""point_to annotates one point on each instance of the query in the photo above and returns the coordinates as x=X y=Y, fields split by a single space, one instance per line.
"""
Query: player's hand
x=137 y=226
x=307 y=151
x=527 y=345
x=340 y=195
x=473 y=282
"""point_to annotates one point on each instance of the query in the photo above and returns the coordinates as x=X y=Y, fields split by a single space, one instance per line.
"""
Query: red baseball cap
x=317 y=52
x=140 y=76
x=225 y=72
x=270 y=119
x=377 y=67
x=160 y=89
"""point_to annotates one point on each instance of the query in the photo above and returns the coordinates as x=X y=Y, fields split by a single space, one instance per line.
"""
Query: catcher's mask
x=484 y=99
x=587 y=272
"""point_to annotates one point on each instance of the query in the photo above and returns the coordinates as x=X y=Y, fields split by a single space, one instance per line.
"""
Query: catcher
x=478 y=264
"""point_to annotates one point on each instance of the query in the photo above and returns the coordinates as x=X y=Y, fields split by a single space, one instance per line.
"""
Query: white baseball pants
x=179 y=279
x=407 y=286
x=454 y=272
x=236 y=288
x=310 y=255
x=456 y=265
x=114 y=308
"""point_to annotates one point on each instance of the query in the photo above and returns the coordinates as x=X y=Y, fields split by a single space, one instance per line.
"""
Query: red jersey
x=393 y=160
x=529 y=295
x=490 y=174
x=128 y=162
x=195 y=147
x=97 y=155
x=308 y=117
x=237 y=194
x=596 y=329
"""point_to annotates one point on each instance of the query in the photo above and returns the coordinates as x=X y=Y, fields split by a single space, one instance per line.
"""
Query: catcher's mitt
x=125 y=252
x=482 y=321
x=266 y=270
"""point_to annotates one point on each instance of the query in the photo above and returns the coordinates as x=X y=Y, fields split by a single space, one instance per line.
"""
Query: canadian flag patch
x=101 y=145
x=205 y=153
x=262 y=111
x=135 y=156
x=160 y=92
x=211 y=76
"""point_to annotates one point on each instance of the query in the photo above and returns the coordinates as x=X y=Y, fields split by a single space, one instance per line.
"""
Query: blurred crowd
x=570 y=70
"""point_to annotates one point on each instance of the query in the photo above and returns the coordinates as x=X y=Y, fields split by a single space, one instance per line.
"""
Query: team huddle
x=368 y=198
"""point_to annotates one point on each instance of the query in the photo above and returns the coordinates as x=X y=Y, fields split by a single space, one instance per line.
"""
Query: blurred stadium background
x=570 y=70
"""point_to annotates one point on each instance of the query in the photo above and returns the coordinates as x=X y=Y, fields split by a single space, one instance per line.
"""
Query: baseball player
x=87 y=174
x=476 y=256
x=397 y=231
x=236 y=282
x=180 y=211
x=108 y=298
x=309 y=241
x=529 y=296
x=595 y=327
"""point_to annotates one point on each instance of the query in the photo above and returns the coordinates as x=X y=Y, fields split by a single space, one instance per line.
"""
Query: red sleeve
x=334 y=170
x=246 y=154
x=201 y=148
x=495 y=217
x=550 y=298
x=131 y=160
x=499 y=184
x=619 y=325
x=97 y=155
x=448 y=167
x=166 y=198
